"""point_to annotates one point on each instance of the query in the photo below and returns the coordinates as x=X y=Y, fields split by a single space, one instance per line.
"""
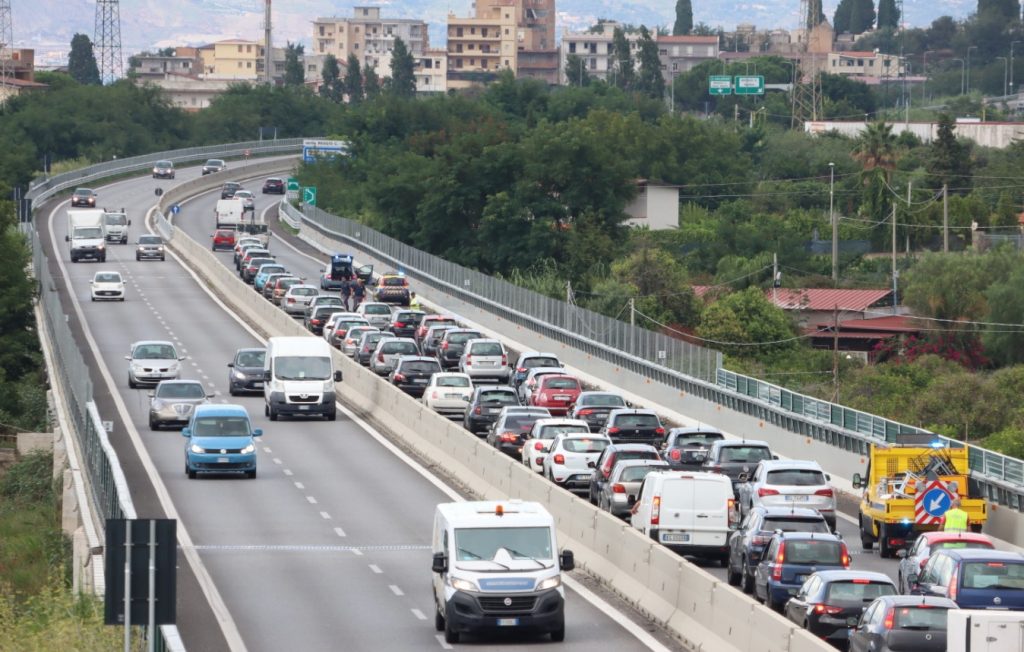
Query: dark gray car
x=736 y=457
x=593 y=407
x=918 y=623
x=245 y=371
x=486 y=404
x=452 y=344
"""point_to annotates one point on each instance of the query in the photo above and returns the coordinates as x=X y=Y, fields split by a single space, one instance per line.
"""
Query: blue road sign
x=936 y=502
x=175 y=209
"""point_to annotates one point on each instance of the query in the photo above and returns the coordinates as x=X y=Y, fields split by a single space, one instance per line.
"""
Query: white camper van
x=299 y=377
x=497 y=567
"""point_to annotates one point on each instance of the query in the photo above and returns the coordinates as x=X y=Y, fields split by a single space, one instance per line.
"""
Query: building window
x=357 y=29
x=483 y=32
x=506 y=63
x=458 y=63
x=321 y=30
x=239 y=64
x=689 y=49
x=458 y=31
x=472 y=63
x=472 y=30
x=248 y=64
x=593 y=63
x=572 y=48
x=239 y=48
x=355 y=46
x=458 y=47
x=472 y=46
x=675 y=66
x=248 y=48
x=506 y=29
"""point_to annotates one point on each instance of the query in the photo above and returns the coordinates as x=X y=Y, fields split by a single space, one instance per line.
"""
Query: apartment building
x=482 y=46
x=369 y=37
x=870 y=67
x=432 y=72
x=232 y=59
x=680 y=54
x=594 y=50
x=155 y=66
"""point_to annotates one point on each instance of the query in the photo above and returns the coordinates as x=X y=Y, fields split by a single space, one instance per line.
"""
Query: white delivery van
x=497 y=568
x=299 y=377
x=116 y=224
x=691 y=513
x=984 y=630
x=229 y=213
x=86 y=234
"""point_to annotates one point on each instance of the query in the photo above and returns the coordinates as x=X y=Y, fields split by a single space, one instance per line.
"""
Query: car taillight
x=618 y=488
x=477 y=410
x=399 y=324
x=400 y=377
x=444 y=347
x=953 y=582
x=675 y=454
x=734 y=516
x=890 y=618
x=469 y=356
x=559 y=458
x=614 y=430
x=290 y=300
x=844 y=555
x=823 y=492
x=314 y=321
x=433 y=395
x=520 y=370
x=656 y=510
x=504 y=360
x=714 y=468
x=780 y=558
x=537 y=446
x=760 y=539
x=659 y=431
x=765 y=491
x=584 y=412
x=509 y=437
x=825 y=609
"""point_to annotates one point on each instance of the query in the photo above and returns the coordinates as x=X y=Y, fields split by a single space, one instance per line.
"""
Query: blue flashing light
x=938 y=443
x=905 y=521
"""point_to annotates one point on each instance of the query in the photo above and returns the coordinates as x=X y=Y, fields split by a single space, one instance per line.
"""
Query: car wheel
x=899 y=584
x=885 y=551
x=735 y=578
x=558 y=635
x=438 y=620
x=768 y=601
x=332 y=415
x=131 y=383
x=103 y=258
x=121 y=299
x=724 y=561
x=162 y=258
x=232 y=390
x=450 y=635
x=272 y=414
x=138 y=257
x=867 y=540
x=251 y=474
x=748 y=579
x=153 y=425
x=92 y=298
x=190 y=473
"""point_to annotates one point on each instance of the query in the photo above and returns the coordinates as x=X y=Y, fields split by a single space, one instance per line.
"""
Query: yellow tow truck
x=893 y=509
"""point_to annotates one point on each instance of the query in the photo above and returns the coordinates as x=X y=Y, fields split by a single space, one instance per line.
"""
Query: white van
x=691 y=513
x=497 y=567
x=299 y=377
x=117 y=224
x=229 y=214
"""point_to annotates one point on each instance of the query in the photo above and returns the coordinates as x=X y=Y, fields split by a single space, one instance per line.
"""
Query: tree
x=82 y=62
x=622 y=60
x=650 y=80
x=949 y=160
x=746 y=324
x=684 y=18
x=294 y=74
x=403 y=79
x=888 y=14
x=875 y=150
x=854 y=16
x=575 y=71
x=1006 y=301
x=332 y=87
x=353 y=84
x=371 y=83
x=663 y=291
x=1007 y=10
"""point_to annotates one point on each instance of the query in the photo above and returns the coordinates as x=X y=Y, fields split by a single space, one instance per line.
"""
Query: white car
x=384 y=357
x=789 y=483
x=375 y=312
x=150 y=361
x=248 y=199
x=297 y=298
x=333 y=320
x=107 y=286
x=538 y=440
x=448 y=393
x=486 y=360
x=571 y=458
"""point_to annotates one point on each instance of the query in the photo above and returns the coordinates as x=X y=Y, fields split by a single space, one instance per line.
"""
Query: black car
x=227 y=191
x=790 y=558
x=736 y=457
x=405 y=322
x=686 y=449
x=315 y=320
x=747 y=544
x=412 y=373
x=485 y=404
x=900 y=623
x=453 y=343
x=610 y=456
x=163 y=170
x=273 y=186
x=509 y=431
x=214 y=165
x=83 y=198
x=634 y=426
x=432 y=339
x=245 y=371
x=593 y=407
x=830 y=602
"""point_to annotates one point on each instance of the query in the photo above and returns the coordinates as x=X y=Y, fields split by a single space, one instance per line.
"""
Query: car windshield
x=88 y=232
x=521 y=421
x=921 y=617
x=115 y=219
x=403 y=348
x=220 y=427
x=858 y=591
x=603 y=400
x=422 y=366
x=637 y=473
x=250 y=358
x=303 y=292
x=302 y=367
x=437 y=333
x=108 y=277
x=474 y=544
x=215 y=161
x=745 y=454
x=409 y=317
x=796 y=477
x=700 y=438
x=502 y=397
x=793 y=524
x=150 y=240
x=1005 y=576
x=377 y=309
x=453 y=381
x=530 y=363
x=462 y=338
x=549 y=432
x=394 y=281
x=154 y=352
x=164 y=164
x=809 y=551
x=637 y=421
x=83 y=192
x=585 y=445
x=562 y=383
x=328 y=301
x=180 y=390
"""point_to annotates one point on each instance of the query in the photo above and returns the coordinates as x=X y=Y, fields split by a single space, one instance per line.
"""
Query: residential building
x=432 y=72
x=369 y=37
x=865 y=66
x=18 y=73
x=594 y=50
x=150 y=66
x=655 y=207
x=189 y=92
x=232 y=59
x=812 y=306
x=680 y=54
x=12 y=87
x=482 y=46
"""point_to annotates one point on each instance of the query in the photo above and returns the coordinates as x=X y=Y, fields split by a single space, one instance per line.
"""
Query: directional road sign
x=750 y=84
x=293 y=184
x=309 y=196
x=314 y=149
x=720 y=85
x=931 y=504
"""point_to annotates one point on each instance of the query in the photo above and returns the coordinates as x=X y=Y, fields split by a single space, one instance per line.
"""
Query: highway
x=328 y=548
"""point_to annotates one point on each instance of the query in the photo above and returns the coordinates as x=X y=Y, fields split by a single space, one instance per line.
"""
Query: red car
x=223 y=239
x=273 y=185
x=556 y=392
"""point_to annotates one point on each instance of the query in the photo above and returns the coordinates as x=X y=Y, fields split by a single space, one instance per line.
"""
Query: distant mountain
x=48 y=25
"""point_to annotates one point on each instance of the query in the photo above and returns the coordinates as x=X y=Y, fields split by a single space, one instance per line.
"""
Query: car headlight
x=550 y=583
x=251 y=448
x=239 y=375
x=460 y=584
x=101 y=246
x=160 y=248
x=156 y=171
x=196 y=448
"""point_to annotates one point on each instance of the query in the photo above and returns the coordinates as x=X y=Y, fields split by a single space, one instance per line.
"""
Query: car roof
x=845 y=575
x=180 y=381
x=622 y=464
x=790 y=464
x=251 y=349
x=107 y=271
x=141 y=342
x=799 y=512
x=536 y=354
x=523 y=409
x=915 y=600
x=488 y=388
x=941 y=537
x=620 y=411
x=695 y=430
x=594 y=392
x=808 y=536
x=221 y=410
x=543 y=371
x=416 y=358
x=740 y=442
x=562 y=422
x=303 y=285
x=631 y=447
x=980 y=554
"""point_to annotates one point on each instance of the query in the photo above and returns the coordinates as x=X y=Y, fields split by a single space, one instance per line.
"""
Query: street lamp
x=967 y=67
x=962 y=70
x=924 y=73
x=1011 y=63
x=1005 y=68
x=835 y=222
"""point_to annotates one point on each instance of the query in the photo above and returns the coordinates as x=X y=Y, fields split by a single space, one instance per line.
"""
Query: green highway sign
x=720 y=85
x=750 y=84
x=309 y=196
x=293 y=184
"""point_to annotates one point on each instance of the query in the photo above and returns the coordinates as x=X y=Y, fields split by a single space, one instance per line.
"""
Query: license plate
x=508 y=622
x=676 y=537
x=303 y=407
x=421 y=381
x=222 y=460
x=259 y=384
x=453 y=395
x=485 y=363
x=493 y=410
x=561 y=397
x=797 y=499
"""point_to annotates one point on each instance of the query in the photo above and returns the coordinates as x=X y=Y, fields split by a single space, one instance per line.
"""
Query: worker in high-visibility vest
x=414 y=302
x=955 y=519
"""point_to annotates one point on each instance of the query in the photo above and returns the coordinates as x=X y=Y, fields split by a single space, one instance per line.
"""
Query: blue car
x=974 y=578
x=790 y=558
x=747 y=544
x=221 y=439
x=264 y=273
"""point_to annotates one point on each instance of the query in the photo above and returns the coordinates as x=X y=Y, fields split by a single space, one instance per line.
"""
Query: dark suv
x=612 y=454
x=790 y=558
x=746 y=545
x=686 y=449
x=227 y=191
x=736 y=457
x=245 y=371
x=634 y=426
x=485 y=404
x=404 y=323
x=593 y=407
x=412 y=373
x=452 y=344
x=513 y=424
x=830 y=601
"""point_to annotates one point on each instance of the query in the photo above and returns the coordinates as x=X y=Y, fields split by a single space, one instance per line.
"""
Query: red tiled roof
x=858 y=335
x=700 y=290
x=826 y=299
x=900 y=323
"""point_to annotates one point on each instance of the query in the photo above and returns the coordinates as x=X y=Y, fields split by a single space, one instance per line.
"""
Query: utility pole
x=945 y=218
x=895 y=273
x=632 y=311
x=736 y=112
x=835 y=222
x=268 y=52
x=775 y=278
x=835 y=354
x=907 y=234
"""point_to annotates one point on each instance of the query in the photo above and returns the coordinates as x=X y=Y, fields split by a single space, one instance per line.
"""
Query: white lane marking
x=357 y=552
x=419 y=614
x=397 y=591
x=277 y=460
x=325 y=516
x=376 y=569
x=444 y=646
x=266 y=449
x=288 y=472
x=299 y=485
x=312 y=501
x=339 y=531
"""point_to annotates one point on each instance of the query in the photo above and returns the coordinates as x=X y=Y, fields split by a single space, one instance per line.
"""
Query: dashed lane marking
x=394 y=589
x=299 y=485
x=312 y=500
x=376 y=569
x=339 y=532
x=419 y=614
x=444 y=645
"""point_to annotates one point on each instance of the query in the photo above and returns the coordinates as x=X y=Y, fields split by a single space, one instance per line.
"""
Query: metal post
x=775 y=278
x=924 y=76
x=1011 y=63
x=945 y=218
x=963 y=69
x=834 y=221
x=967 y=67
x=128 y=585
x=835 y=354
x=907 y=235
x=895 y=274
x=152 y=586
x=1005 y=69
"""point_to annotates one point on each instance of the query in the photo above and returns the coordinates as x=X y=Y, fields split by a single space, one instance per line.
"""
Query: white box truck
x=299 y=377
x=497 y=568
x=229 y=213
x=87 y=236
x=117 y=224
x=985 y=630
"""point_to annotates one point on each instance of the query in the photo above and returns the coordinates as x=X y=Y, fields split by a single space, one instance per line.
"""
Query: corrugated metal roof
x=821 y=299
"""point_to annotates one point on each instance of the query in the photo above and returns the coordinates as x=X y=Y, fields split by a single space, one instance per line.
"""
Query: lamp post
x=962 y=70
x=835 y=222
x=1011 y=63
x=1005 y=68
x=967 y=67
x=924 y=73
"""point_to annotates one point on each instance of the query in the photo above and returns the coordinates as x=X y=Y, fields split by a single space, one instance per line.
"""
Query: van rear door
x=697 y=505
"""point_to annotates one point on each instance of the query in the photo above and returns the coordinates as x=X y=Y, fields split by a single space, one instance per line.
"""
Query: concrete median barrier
x=701 y=611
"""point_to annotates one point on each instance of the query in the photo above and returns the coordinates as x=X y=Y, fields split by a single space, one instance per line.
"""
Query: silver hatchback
x=388 y=350
x=172 y=402
x=297 y=298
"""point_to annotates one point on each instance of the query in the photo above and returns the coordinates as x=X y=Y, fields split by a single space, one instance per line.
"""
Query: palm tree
x=876 y=152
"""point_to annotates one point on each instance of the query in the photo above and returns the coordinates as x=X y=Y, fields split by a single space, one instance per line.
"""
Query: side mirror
x=151 y=394
x=566 y=560
x=129 y=222
x=912 y=579
x=266 y=376
x=591 y=465
x=743 y=477
x=440 y=563
x=127 y=357
x=858 y=481
x=828 y=478
x=257 y=432
x=210 y=395
x=231 y=364
x=629 y=404
x=901 y=553
x=67 y=238
x=631 y=500
x=186 y=432
x=775 y=457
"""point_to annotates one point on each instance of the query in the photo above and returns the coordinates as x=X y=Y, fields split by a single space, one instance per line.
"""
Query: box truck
x=87 y=235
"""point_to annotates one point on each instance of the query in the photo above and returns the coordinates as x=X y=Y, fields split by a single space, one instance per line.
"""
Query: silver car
x=172 y=402
x=248 y=199
x=353 y=337
x=384 y=357
x=297 y=298
x=377 y=313
x=624 y=481
x=485 y=360
x=368 y=344
x=150 y=361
